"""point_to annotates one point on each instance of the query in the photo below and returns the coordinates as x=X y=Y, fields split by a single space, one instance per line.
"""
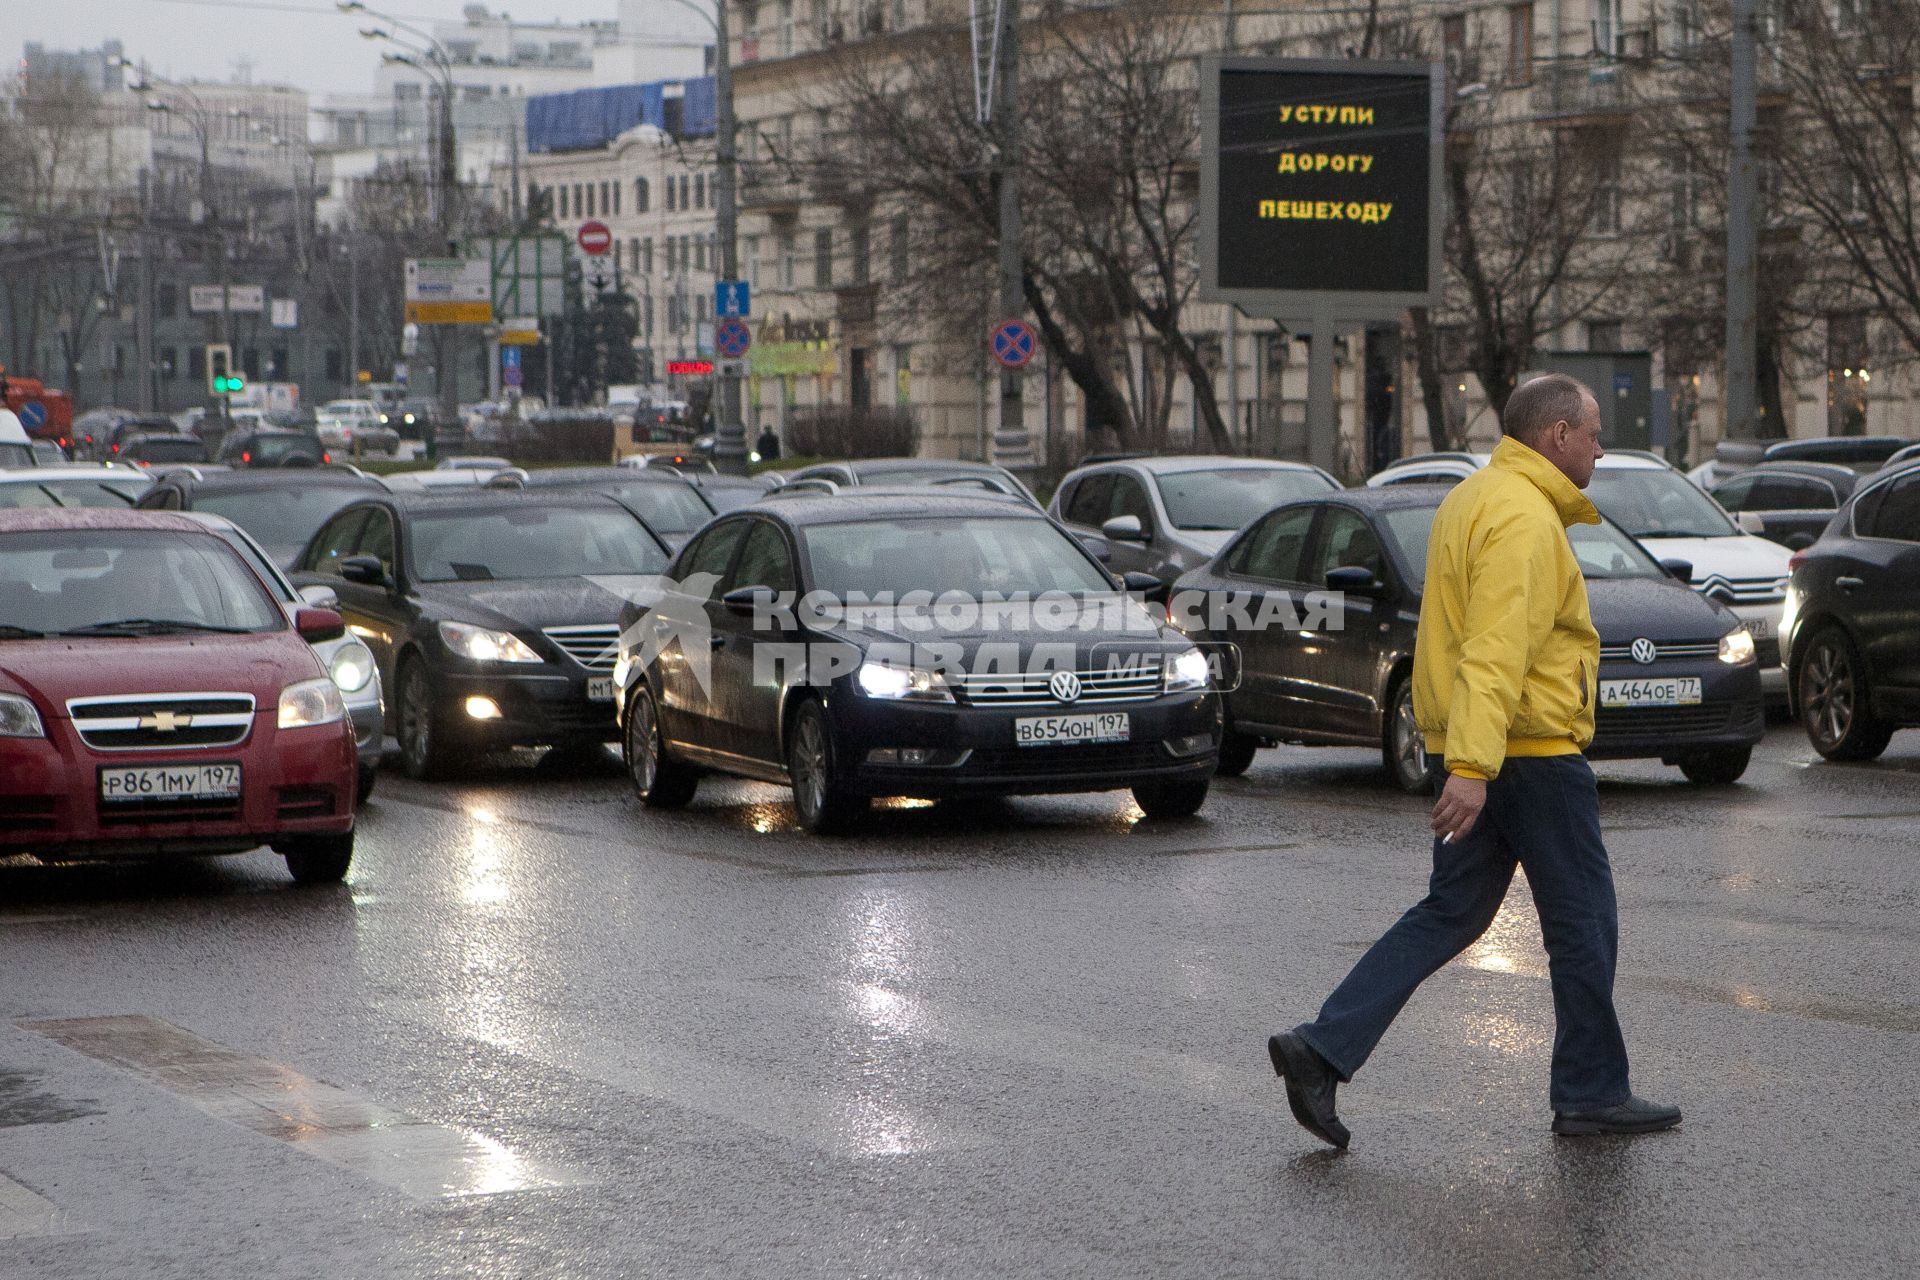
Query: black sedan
x=1852 y=626
x=1034 y=673
x=1321 y=601
x=492 y=615
x=281 y=507
x=671 y=507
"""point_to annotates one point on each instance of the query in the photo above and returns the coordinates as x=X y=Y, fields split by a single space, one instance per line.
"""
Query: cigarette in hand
x=1447 y=838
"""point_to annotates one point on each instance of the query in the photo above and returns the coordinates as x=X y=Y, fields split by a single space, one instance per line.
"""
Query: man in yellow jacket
x=1503 y=687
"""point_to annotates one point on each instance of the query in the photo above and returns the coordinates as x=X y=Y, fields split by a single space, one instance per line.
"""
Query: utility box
x=1622 y=381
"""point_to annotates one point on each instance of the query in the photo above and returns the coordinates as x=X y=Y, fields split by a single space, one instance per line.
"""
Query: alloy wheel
x=643 y=737
x=1828 y=687
x=809 y=767
x=416 y=721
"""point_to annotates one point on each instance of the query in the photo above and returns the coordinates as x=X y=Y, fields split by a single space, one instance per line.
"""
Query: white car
x=1674 y=520
x=337 y=420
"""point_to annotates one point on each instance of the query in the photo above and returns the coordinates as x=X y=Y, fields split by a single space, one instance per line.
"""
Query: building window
x=897 y=250
x=1603 y=335
x=563 y=202
x=1520 y=44
x=615 y=189
x=167 y=301
x=784 y=45
x=633 y=254
x=1685 y=208
x=699 y=190
x=640 y=194
x=592 y=208
x=786 y=259
x=169 y=366
x=646 y=315
x=1606 y=195
x=1609 y=34
x=646 y=256
x=685 y=190
x=823 y=258
x=859 y=265
x=196 y=363
x=670 y=194
x=699 y=253
x=605 y=205
x=1686 y=28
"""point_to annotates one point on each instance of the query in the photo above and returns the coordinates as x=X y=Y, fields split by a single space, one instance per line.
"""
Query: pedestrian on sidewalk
x=1503 y=687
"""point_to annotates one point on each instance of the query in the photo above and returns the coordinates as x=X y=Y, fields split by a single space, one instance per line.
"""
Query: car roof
x=558 y=477
x=860 y=466
x=277 y=478
x=37 y=475
x=33 y=519
x=1625 y=459
x=856 y=504
x=1837 y=471
x=1167 y=464
x=1389 y=498
x=480 y=498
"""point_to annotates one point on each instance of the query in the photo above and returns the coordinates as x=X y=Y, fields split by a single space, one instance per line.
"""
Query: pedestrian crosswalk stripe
x=424 y=1160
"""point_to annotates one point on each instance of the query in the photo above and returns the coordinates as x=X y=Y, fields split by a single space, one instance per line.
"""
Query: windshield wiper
x=150 y=627
x=8 y=631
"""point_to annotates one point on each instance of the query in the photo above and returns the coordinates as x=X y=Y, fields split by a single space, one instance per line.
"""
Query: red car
x=154 y=700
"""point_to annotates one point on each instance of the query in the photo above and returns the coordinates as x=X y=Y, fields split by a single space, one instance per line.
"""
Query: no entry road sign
x=595 y=238
x=1013 y=343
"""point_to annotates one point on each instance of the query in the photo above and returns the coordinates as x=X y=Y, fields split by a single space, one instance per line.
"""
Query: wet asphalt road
x=544 y=1033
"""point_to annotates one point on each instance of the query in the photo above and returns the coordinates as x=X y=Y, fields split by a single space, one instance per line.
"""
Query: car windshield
x=168 y=451
x=973 y=556
x=671 y=509
x=940 y=475
x=1651 y=502
x=276 y=581
x=731 y=498
x=278 y=447
x=1229 y=497
x=531 y=542
x=1602 y=550
x=127 y=582
x=280 y=519
x=112 y=491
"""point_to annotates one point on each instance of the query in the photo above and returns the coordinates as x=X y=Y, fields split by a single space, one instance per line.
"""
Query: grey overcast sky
x=306 y=43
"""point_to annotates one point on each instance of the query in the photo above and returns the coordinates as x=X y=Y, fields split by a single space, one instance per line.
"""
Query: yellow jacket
x=1507 y=655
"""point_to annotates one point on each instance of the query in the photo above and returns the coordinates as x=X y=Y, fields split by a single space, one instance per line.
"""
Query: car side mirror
x=746 y=601
x=1146 y=586
x=1750 y=522
x=1355 y=580
x=317 y=626
x=1097 y=548
x=320 y=596
x=1124 y=529
x=366 y=571
x=1679 y=570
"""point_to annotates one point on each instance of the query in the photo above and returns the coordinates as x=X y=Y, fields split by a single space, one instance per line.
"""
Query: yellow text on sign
x=449 y=313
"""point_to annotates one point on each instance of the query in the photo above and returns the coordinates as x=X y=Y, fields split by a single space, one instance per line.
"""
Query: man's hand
x=1458 y=807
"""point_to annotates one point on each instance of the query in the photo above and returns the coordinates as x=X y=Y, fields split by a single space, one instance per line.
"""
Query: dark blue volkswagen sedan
x=1678 y=679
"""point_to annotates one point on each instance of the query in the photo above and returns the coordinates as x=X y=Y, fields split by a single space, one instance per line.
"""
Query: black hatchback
x=281 y=507
x=493 y=616
x=1852 y=624
x=1321 y=602
x=864 y=645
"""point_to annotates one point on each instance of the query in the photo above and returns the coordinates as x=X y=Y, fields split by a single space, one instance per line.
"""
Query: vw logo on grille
x=1064 y=685
x=1643 y=651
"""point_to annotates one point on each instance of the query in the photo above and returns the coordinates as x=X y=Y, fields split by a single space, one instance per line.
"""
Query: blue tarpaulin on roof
x=588 y=118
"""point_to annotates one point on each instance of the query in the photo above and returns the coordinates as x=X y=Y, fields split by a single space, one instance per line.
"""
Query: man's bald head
x=1538 y=403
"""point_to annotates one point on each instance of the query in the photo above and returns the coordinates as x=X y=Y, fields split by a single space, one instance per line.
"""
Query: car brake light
x=1794 y=560
x=245 y=456
x=115 y=448
x=326 y=457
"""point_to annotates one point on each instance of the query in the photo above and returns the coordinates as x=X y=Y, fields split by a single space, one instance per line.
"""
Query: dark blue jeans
x=1544 y=814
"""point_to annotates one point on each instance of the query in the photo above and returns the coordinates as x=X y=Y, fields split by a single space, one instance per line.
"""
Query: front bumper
x=980 y=756
x=296 y=782
x=369 y=728
x=542 y=707
x=1731 y=713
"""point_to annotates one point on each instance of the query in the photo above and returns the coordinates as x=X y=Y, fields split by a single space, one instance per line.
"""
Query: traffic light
x=222 y=378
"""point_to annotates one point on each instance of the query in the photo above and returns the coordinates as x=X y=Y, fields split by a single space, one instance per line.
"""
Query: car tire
x=1236 y=753
x=822 y=804
x=1830 y=691
x=1403 y=748
x=1719 y=768
x=1170 y=799
x=320 y=859
x=421 y=728
x=659 y=780
x=363 y=784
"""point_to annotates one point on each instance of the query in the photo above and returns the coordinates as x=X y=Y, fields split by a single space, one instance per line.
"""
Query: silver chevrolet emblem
x=1643 y=651
x=165 y=721
x=1064 y=685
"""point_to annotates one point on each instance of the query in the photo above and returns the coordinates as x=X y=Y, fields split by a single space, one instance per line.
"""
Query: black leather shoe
x=1310 y=1086
x=1635 y=1115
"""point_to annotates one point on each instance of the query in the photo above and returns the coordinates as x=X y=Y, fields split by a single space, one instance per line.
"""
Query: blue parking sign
x=732 y=299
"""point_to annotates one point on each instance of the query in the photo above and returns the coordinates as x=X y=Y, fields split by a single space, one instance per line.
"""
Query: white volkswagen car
x=1669 y=516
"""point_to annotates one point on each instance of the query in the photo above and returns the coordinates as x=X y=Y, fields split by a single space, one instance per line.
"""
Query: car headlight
x=483 y=645
x=352 y=667
x=902 y=684
x=1736 y=647
x=311 y=702
x=1188 y=670
x=19 y=718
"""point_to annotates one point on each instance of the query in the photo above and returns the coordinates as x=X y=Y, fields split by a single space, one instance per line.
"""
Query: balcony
x=772 y=189
x=1582 y=90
